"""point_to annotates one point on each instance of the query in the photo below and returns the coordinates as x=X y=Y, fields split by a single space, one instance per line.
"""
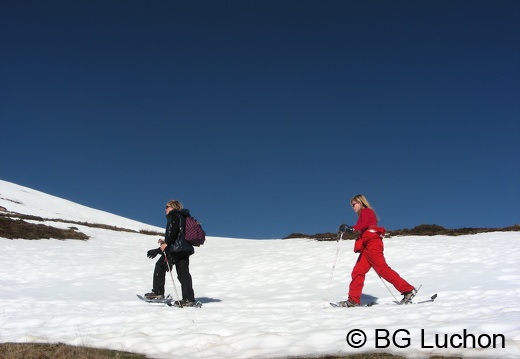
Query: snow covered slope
x=262 y=299
x=24 y=200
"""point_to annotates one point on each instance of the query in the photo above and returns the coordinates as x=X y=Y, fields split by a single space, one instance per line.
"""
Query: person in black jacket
x=178 y=252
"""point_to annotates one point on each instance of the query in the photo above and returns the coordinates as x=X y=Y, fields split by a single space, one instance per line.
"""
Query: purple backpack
x=193 y=232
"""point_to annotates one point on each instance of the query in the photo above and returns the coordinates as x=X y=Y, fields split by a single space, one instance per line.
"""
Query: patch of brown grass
x=14 y=226
x=371 y=356
x=59 y=351
x=434 y=230
x=20 y=229
x=63 y=351
x=421 y=230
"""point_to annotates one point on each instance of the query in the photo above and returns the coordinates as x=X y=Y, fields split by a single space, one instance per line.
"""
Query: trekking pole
x=387 y=288
x=326 y=298
x=171 y=276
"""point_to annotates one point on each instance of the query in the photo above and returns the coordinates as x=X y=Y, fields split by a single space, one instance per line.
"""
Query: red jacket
x=367 y=225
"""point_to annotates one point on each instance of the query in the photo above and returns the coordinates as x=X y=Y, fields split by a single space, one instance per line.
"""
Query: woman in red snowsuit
x=369 y=245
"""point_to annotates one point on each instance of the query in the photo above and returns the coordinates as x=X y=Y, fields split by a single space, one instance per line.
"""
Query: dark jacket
x=174 y=236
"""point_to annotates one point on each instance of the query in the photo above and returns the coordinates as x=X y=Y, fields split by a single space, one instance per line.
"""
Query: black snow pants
x=181 y=261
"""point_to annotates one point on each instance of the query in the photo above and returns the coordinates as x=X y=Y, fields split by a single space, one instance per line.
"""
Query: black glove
x=152 y=253
x=345 y=228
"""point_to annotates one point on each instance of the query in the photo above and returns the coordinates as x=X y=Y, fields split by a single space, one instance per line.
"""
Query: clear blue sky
x=265 y=117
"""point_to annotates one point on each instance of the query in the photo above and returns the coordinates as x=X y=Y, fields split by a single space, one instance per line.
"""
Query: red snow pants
x=372 y=257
